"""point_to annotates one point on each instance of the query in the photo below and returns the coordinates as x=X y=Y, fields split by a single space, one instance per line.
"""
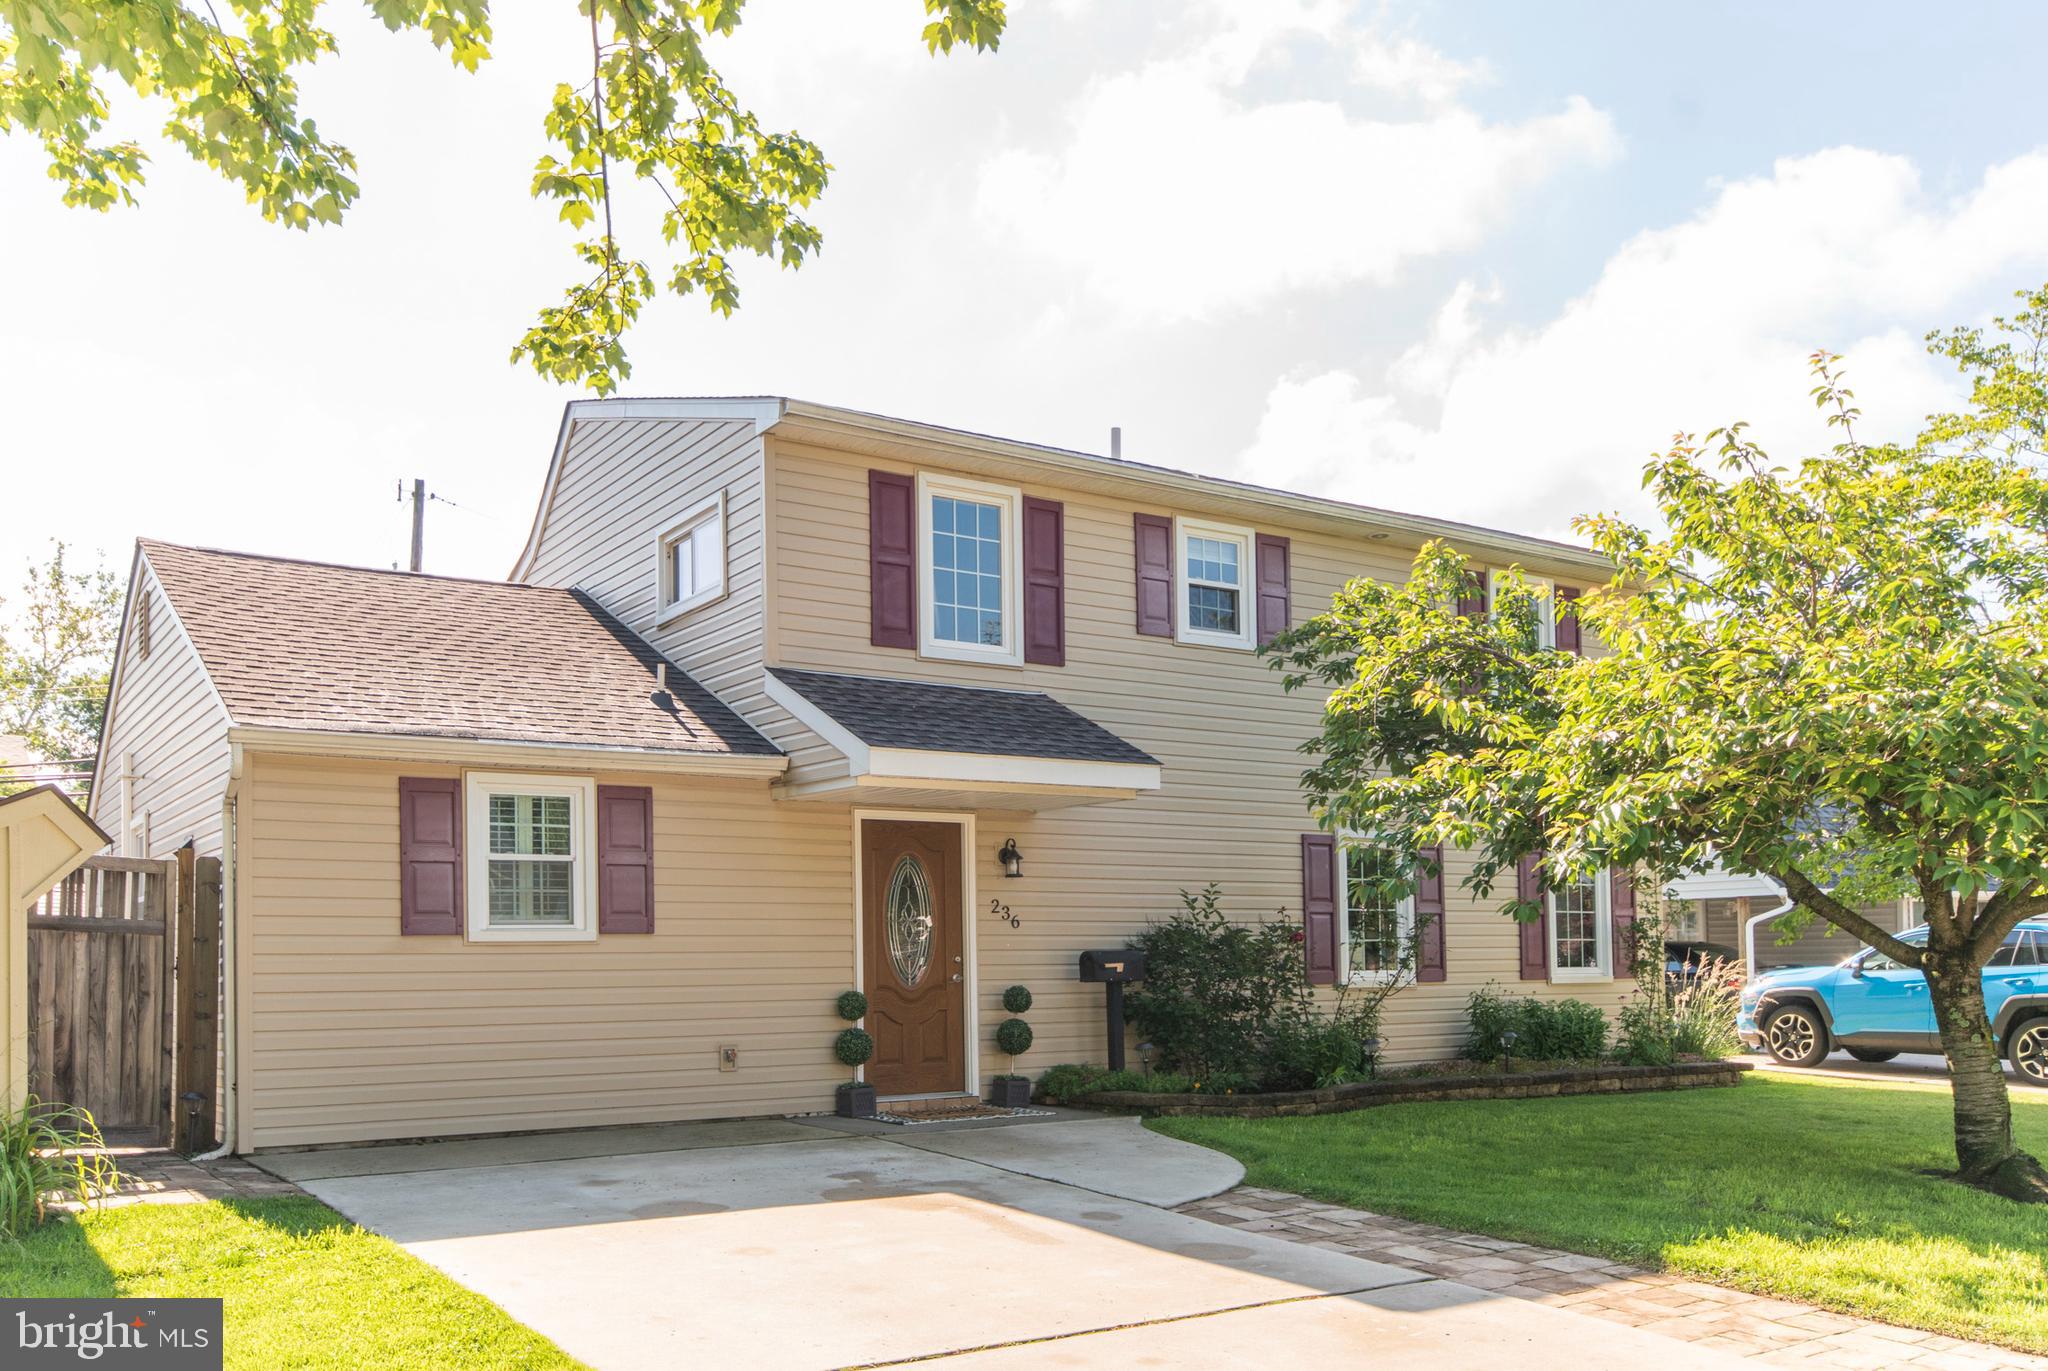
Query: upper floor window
x=1376 y=914
x=1580 y=930
x=970 y=571
x=1215 y=606
x=690 y=560
x=1546 y=609
x=531 y=878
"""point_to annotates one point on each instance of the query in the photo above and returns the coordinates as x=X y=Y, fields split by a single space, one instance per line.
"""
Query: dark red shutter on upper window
x=1567 y=610
x=1429 y=914
x=1045 y=582
x=429 y=854
x=1621 y=908
x=1535 y=935
x=625 y=859
x=1319 y=906
x=1152 y=542
x=1472 y=604
x=892 y=560
x=1275 y=610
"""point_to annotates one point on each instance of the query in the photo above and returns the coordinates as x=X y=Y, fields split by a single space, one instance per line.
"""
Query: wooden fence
x=123 y=968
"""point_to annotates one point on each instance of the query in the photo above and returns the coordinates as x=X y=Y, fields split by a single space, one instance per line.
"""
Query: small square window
x=970 y=570
x=1213 y=607
x=690 y=561
x=532 y=841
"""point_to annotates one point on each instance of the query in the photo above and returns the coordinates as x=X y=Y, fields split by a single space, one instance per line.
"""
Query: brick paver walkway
x=154 y=1175
x=1775 y=1331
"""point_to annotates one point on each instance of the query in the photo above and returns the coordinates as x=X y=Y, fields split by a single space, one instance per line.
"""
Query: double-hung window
x=531 y=858
x=970 y=571
x=1376 y=910
x=1545 y=606
x=1580 y=930
x=689 y=562
x=1217 y=606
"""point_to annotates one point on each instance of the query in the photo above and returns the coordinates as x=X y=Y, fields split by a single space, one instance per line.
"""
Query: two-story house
x=780 y=699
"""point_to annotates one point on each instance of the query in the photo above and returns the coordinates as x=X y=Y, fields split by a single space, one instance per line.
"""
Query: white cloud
x=1179 y=193
x=1687 y=328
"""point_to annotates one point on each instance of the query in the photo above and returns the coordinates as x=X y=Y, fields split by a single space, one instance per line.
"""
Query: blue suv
x=1875 y=1009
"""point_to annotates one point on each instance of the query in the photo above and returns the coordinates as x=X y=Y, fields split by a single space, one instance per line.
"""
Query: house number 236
x=1003 y=915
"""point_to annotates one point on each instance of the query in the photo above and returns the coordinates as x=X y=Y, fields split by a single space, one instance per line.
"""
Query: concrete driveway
x=1924 y=1068
x=793 y=1244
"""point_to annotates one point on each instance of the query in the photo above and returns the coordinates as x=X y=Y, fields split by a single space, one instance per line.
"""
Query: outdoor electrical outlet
x=728 y=1058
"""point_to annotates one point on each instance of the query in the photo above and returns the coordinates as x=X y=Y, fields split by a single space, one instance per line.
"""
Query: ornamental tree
x=643 y=102
x=1833 y=673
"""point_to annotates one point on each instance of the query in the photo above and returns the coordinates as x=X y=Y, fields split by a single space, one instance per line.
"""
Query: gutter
x=419 y=747
x=1749 y=932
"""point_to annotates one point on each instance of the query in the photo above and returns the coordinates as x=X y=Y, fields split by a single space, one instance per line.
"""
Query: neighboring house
x=772 y=689
x=1746 y=913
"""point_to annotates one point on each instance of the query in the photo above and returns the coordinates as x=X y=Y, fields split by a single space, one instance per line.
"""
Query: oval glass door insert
x=908 y=920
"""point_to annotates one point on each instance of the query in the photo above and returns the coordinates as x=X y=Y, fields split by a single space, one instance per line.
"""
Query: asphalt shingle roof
x=308 y=645
x=925 y=716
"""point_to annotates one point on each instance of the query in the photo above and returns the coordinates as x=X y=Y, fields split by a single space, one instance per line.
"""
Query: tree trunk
x=1986 y=1155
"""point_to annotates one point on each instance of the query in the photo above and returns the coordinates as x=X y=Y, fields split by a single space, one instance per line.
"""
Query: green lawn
x=1807 y=1189
x=303 y=1287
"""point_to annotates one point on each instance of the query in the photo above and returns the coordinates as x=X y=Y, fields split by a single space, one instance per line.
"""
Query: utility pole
x=419 y=520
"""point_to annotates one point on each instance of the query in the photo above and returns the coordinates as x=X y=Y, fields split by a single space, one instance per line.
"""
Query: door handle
x=956 y=978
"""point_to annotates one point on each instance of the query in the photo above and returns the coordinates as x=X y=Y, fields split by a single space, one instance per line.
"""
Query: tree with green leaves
x=56 y=649
x=645 y=102
x=1833 y=673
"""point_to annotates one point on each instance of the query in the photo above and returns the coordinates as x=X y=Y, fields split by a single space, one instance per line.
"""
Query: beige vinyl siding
x=1230 y=810
x=165 y=714
x=351 y=1031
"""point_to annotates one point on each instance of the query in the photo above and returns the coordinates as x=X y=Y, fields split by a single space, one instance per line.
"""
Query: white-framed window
x=1581 y=930
x=1215 y=601
x=970 y=571
x=1376 y=917
x=1685 y=922
x=1545 y=606
x=689 y=560
x=532 y=857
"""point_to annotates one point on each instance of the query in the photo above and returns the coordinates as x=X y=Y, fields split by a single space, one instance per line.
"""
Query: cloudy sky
x=1472 y=259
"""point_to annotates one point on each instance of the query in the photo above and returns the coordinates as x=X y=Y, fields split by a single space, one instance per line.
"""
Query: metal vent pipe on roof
x=1116 y=443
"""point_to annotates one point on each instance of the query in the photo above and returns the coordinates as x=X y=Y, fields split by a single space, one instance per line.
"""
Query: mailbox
x=1113 y=969
x=1113 y=964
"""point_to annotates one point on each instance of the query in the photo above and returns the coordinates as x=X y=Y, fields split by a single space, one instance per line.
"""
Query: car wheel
x=1870 y=1054
x=1795 y=1036
x=2027 y=1050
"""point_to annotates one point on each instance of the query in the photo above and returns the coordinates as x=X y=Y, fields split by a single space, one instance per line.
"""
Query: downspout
x=1749 y=932
x=230 y=1095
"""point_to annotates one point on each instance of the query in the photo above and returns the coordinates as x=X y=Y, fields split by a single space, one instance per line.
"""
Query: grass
x=302 y=1286
x=1810 y=1190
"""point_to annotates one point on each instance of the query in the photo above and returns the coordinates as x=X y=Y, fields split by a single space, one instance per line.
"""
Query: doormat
x=975 y=1110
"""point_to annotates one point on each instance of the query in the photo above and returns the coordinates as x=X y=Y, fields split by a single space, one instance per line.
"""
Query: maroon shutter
x=625 y=859
x=1536 y=933
x=1621 y=908
x=1472 y=604
x=1565 y=605
x=1045 y=582
x=1319 y=906
x=429 y=854
x=892 y=560
x=1152 y=541
x=1275 y=610
x=1429 y=914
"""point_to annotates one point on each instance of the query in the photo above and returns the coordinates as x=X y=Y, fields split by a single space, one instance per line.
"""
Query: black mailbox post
x=1114 y=968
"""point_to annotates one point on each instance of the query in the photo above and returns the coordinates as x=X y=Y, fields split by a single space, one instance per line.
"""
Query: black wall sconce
x=1011 y=858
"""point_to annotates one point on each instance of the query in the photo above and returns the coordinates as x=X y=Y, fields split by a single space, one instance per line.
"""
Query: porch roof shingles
x=313 y=646
x=925 y=716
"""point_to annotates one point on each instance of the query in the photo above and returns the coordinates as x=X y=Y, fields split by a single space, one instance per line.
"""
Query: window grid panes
x=532 y=860
x=1213 y=584
x=1372 y=908
x=967 y=571
x=692 y=566
x=1575 y=925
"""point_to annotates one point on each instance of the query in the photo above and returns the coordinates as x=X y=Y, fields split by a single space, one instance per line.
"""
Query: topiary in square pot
x=1012 y=1091
x=1009 y=1092
x=855 y=1100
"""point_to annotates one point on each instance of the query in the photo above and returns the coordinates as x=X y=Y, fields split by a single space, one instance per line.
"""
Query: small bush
x=1642 y=1032
x=1073 y=1081
x=1216 y=992
x=853 y=1046
x=1014 y=1037
x=1017 y=1000
x=852 y=1006
x=1554 y=1030
x=1067 y=1081
x=35 y=1168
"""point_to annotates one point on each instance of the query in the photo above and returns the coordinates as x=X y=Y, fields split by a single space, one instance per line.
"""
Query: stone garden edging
x=1588 y=1080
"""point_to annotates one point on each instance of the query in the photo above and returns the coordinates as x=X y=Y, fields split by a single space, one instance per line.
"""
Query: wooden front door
x=913 y=956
